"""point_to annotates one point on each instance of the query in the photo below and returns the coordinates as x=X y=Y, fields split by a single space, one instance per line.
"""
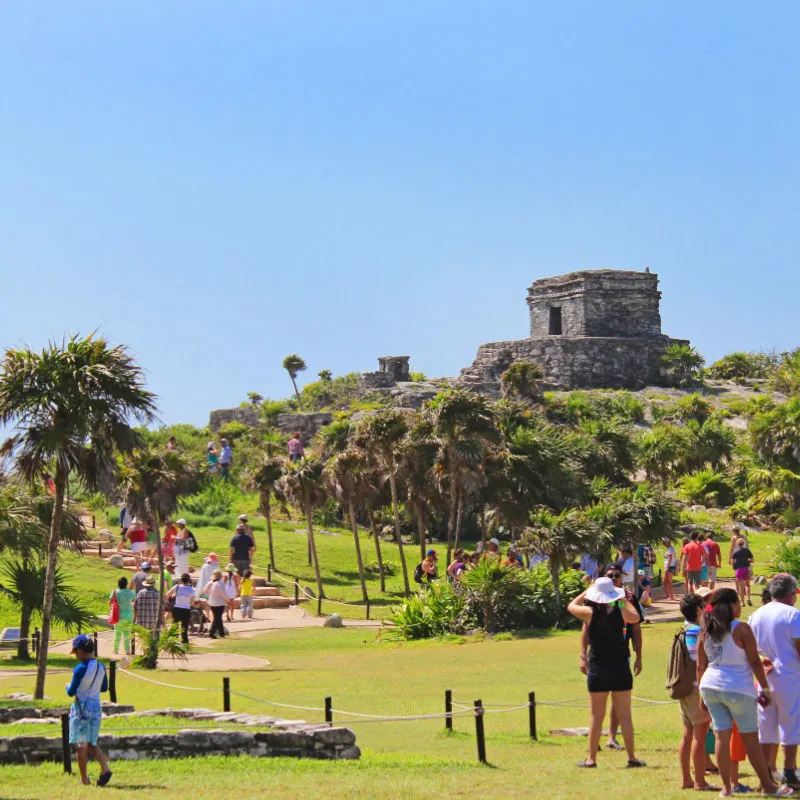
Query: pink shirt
x=295 y=447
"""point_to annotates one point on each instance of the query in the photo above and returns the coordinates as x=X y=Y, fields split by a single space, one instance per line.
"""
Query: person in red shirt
x=694 y=556
x=713 y=558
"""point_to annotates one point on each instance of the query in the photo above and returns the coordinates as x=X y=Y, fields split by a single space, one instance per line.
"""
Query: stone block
x=334 y=621
x=335 y=736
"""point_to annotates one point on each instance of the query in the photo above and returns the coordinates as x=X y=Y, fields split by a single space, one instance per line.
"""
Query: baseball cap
x=82 y=642
x=495 y=542
x=432 y=553
x=243 y=517
x=145 y=565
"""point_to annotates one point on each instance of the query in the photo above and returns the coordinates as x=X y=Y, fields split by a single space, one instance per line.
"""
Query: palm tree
x=380 y=436
x=418 y=452
x=264 y=479
x=464 y=426
x=302 y=483
x=325 y=375
x=69 y=407
x=682 y=363
x=294 y=364
x=522 y=381
x=776 y=435
x=255 y=399
x=153 y=482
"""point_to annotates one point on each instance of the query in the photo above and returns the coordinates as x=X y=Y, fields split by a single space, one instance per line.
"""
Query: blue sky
x=220 y=184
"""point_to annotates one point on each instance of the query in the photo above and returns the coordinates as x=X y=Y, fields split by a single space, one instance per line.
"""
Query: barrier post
x=328 y=710
x=66 y=753
x=133 y=643
x=35 y=641
x=319 y=606
x=112 y=680
x=532 y=715
x=479 y=733
x=297 y=591
x=226 y=694
x=367 y=609
x=448 y=709
x=94 y=639
x=269 y=573
x=100 y=549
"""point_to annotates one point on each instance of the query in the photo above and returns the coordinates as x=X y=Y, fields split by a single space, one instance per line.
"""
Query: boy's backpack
x=681 y=670
x=418 y=573
x=191 y=542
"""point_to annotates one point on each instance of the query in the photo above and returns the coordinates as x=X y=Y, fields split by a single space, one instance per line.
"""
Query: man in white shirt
x=776 y=626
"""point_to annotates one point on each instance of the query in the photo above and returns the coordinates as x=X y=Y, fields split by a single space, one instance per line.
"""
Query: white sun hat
x=604 y=591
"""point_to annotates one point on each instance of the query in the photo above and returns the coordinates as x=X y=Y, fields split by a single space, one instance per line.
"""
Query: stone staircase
x=265 y=595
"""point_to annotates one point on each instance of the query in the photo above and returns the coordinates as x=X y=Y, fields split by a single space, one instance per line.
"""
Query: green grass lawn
x=368 y=674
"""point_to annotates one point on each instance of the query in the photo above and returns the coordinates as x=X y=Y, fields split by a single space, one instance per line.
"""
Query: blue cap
x=432 y=552
x=82 y=642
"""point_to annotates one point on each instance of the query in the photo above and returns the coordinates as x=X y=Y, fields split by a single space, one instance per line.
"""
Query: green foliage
x=522 y=381
x=741 y=366
x=787 y=557
x=543 y=608
x=233 y=431
x=417 y=376
x=682 y=363
x=166 y=642
x=786 y=378
x=577 y=407
x=215 y=499
x=390 y=568
x=693 y=407
x=335 y=394
x=270 y=409
x=329 y=514
x=325 y=375
x=706 y=487
x=437 y=611
x=776 y=434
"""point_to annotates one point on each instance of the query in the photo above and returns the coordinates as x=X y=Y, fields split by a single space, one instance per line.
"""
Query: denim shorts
x=729 y=707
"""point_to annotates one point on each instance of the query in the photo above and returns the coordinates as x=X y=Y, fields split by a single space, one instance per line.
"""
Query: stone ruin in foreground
x=594 y=329
x=590 y=329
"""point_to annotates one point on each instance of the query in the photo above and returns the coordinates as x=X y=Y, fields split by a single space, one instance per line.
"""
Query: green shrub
x=740 y=366
x=791 y=518
x=329 y=514
x=543 y=611
x=417 y=376
x=390 y=568
x=787 y=557
x=215 y=499
x=438 y=610
x=706 y=487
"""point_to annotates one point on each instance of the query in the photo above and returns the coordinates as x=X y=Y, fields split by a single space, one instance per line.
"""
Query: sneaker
x=790 y=777
x=614 y=746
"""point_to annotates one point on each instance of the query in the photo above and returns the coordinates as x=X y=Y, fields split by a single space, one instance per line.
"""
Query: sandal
x=635 y=762
x=585 y=763
x=104 y=778
x=614 y=746
x=740 y=788
x=781 y=791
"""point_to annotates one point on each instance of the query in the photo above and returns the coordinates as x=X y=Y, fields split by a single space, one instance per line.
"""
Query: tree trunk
x=459 y=518
x=313 y=548
x=421 y=530
x=354 y=527
x=50 y=578
x=451 y=518
x=396 y=512
x=374 y=530
x=23 y=653
x=299 y=402
x=265 y=508
x=554 y=577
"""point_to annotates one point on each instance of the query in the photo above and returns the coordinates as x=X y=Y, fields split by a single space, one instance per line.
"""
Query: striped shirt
x=148 y=607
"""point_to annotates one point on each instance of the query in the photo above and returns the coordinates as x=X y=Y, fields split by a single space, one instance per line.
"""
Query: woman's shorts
x=138 y=547
x=604 y=678
x=673 y=570
x=729 y=707
x=743 y=574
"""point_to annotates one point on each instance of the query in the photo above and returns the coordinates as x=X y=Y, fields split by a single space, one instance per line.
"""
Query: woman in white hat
x=606 y=611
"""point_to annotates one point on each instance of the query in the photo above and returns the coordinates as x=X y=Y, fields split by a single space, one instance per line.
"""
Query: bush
x=390 y=568
x=215 y=499
x=707 y=488
x=543 y=612
x=438 y=610
x=740 y=366
x=787 y=557
x=329 y=514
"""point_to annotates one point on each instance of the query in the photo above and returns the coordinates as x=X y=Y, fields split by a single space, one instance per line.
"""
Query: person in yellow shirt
x=246 y=594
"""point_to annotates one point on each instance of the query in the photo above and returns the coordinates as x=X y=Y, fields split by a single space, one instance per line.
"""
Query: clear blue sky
x=220 y=184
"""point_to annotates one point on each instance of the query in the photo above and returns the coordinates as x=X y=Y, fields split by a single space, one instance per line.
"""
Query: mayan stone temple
x=589 y=329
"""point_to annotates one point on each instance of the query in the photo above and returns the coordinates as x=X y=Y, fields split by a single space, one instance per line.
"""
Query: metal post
x=112 y=680
x=100 y=549
x=479 y=735
x=35 y=641
x=66 y=753
x=328 y=710
x=297 y=591
x=532 y=715
x=448 y=709
x=226 y=694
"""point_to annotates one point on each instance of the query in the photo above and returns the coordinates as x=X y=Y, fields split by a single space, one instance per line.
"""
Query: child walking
x=246 y=594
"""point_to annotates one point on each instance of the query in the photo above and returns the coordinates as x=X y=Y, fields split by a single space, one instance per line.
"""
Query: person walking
x=776 y=627
x=88 y=681
x=693 y=558
x=168 y=539
x=713 y=558
x=607 y=613
x=137 y=536
x=214 y=590
x=295 y=448
x=225 y=460
x=727 y=662
x=242 y=549
x=670 y=569
x=147 y=605
x=140 y=577
x=230 y=581
x=212 y=458
x=246 y=595
x=124 y=598
x=182 y=598
x=181 y=547
x=741 y=559
x=249 y=530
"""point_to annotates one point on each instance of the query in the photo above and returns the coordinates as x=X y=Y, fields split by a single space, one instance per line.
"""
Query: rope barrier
x=275 y=703
x=168 y=685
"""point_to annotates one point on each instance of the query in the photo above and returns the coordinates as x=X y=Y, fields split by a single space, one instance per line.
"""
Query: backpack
x=191 y=542
x=113 y=616
x=418 y=573
x=648 y=555
x=681 y=670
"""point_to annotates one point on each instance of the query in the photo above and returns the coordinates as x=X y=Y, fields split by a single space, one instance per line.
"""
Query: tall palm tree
x=153 y=482
x=303 y=484
x=294 y=364
x=464 y=425
x=381 y=436
x=69 y=407
x=418 y=452
x=264 y=479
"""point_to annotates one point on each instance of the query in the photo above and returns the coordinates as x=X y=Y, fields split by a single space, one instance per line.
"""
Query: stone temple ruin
x=589 y=329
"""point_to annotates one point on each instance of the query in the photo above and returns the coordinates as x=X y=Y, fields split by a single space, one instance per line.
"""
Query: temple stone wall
x=306 y=424
x=247 y=415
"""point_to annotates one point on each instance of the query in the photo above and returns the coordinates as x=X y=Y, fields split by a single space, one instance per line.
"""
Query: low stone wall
x=318 y=742
x=247 y=415
x=8 y=715
x=306 y=424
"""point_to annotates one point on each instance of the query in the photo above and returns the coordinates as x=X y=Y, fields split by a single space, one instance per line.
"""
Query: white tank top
x=728 y=668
